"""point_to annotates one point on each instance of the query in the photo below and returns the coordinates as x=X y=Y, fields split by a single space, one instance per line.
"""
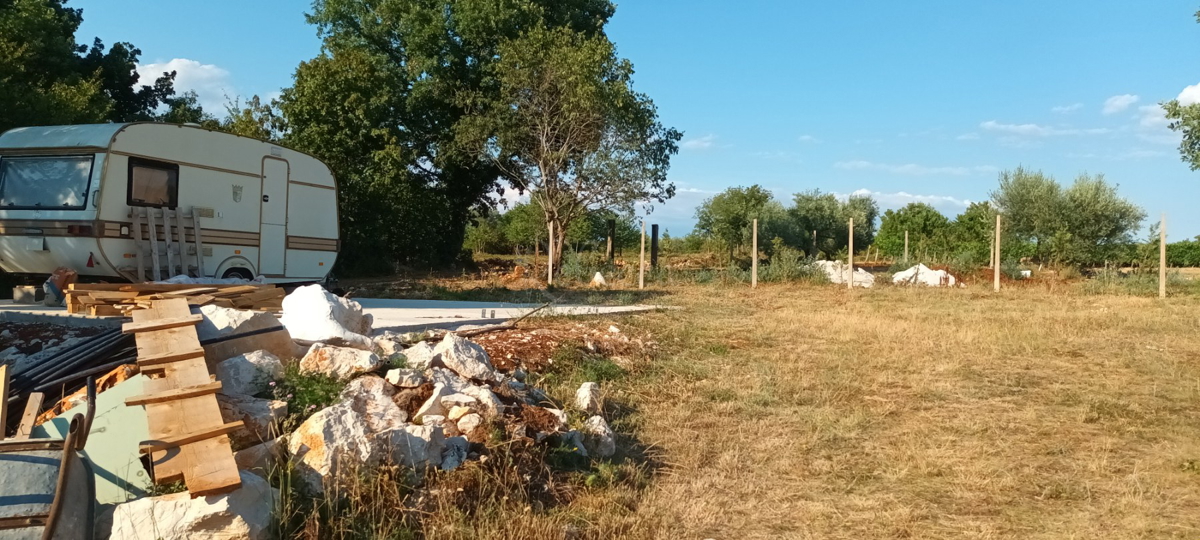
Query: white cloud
x=211 y=83
x=1189 y=95
x=1116 y=104
x=1036 y=130
x=912 y=169
x=809 y=139
x=703 y=143
x=901 y=198
x=967 y=137
x=781 y=155
x=1064 y=109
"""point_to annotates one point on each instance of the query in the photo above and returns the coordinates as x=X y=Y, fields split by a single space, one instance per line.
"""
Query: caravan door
x=272 y=240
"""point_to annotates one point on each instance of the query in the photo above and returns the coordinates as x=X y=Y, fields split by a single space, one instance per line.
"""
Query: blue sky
x=911 y=101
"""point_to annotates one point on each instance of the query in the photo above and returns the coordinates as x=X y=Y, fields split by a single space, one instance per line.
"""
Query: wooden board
x=172 y=395
x=206 y=466
x=33 y=407
x=162 y=324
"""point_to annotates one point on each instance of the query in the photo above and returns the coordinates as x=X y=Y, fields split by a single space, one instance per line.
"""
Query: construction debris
x=838 y=273
x=923 y=275
x=188 y=437
x=119 y=300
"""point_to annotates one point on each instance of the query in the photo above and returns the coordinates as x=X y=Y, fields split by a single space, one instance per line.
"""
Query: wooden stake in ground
x=1162 y=257
x=905 y=246
x=754 y=257
x=850 y=258
x=642 y=259
x=611 y=252
x=814 y=253
x=550 y=257
x=3 y=400
x=996 y=257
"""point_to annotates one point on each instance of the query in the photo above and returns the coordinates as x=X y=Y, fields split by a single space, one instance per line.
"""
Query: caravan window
x=153 y=183
x=44 y=181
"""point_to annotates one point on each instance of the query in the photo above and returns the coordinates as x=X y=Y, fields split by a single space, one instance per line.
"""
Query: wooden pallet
x=119 y=300
x=188 y=439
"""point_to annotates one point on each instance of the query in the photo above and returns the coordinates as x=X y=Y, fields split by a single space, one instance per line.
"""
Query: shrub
x=305 y=394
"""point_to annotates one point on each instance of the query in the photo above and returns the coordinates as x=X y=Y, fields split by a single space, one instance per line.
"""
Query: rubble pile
x=836 y=271
x=421 y=405
x=923 y=275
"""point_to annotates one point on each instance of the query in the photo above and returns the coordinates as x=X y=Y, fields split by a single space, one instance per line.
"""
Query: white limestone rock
x=405 y=378
x=489 y=405
x=451 y=401
x=598 y=280
x=419 y=356
x=587 y=398
x=598 y=438
x=469 y=422
x=458 y=412
x=243 y=513
x=261 y=458
x=465 y=358
x=447 y=378
x=226 y=323
x=414 y=446
x=339 y=362
x=433 y=405
x=260 y=417
x=248 y=374
x=314 y=315
x=346 y=431
x=561 y=416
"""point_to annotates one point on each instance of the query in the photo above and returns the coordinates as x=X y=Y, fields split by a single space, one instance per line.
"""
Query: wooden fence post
x=611 y=252
x=1162 y=257
x=815 y=251
x=642 y=259
x=754 y=257
x=850 y=258
x=996 y=270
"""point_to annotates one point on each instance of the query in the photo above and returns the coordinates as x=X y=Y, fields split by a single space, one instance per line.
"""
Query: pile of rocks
x=419 y=405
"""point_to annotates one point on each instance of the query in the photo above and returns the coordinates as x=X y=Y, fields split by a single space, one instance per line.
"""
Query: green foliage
x=829 y=217
x=305 y=394
x=1185 y=119
x=1185 y=254
x=565 y=125
x=924 y=225
x=1087 y=223
x=728 y=215
x=46 y=78
x=789 y=264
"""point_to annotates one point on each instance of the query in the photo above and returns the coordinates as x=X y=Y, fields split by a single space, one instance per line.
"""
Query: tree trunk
x=557 y=242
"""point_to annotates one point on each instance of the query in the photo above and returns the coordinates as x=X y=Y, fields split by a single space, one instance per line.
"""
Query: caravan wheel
x=238 y=273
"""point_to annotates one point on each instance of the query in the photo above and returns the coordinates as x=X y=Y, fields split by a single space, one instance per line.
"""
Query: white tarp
x=923 y=275
x=836 y=271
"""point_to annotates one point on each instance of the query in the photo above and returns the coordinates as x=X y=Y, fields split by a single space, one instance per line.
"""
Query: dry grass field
x=813 y=412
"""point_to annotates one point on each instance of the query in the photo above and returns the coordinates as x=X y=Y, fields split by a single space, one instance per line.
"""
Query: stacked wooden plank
x=188 y=438
x=119 y=300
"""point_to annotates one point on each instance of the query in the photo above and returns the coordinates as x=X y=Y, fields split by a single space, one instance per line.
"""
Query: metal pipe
x=124 y=359
x=60 y=486
x=51 y=362
x=93 y=353
x=91 y=413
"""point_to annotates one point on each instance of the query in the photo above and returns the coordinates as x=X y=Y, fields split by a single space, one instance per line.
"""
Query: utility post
x=996 y=256
x=754 y=256
x=1162 y=257
x=642 y=259
x=654 y=246
x=850 y=258
x=611 y=253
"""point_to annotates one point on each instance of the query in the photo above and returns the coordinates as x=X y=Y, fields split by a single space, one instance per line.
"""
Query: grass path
x=810 y=412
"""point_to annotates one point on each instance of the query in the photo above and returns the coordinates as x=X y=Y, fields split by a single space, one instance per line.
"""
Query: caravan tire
x=238 y=273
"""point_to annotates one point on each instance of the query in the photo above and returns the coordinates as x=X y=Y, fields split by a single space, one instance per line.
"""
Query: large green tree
x=567 y=127
x=47 y=78
x=1185 y=119
x=388 y=103
x=925 y=226
x=728 y=216
x=829 y=217
x=1086 y=223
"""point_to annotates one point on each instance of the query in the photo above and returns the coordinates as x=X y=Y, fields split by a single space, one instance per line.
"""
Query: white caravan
x=146 y=201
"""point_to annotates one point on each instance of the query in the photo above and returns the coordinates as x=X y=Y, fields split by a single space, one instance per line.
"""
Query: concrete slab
x=43 y=314
x=400 y=315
